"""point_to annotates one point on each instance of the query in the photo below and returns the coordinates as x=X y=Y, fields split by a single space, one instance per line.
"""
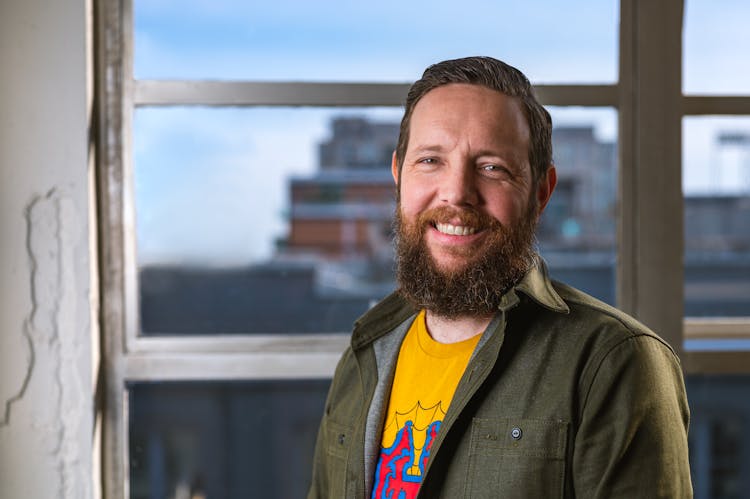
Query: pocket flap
x=523 y=437
x=338 y=438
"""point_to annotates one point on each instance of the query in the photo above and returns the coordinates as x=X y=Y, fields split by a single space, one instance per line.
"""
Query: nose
x=458 y=186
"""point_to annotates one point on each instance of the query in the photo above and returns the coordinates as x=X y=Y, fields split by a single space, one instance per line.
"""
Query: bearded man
x=480 y=377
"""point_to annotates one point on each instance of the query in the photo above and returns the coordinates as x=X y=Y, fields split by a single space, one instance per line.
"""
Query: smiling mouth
x=455 y=230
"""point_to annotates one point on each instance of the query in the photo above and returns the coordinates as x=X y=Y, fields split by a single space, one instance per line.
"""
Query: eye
x=428 y=162
x=494 y=170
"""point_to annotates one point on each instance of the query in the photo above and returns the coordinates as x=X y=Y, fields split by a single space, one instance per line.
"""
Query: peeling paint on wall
x=56 y=335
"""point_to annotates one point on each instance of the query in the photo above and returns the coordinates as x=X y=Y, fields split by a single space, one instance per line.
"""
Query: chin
x=451 y=265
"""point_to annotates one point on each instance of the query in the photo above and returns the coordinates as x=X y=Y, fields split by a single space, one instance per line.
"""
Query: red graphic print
x=392 y=477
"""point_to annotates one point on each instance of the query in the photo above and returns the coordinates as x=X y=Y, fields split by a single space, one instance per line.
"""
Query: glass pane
x=233 y=439
x=389 y=40
x=719 y=436
x=716 y=44
x=279 y=220
x=262 y=220
x=716 y=184
x=577 y=234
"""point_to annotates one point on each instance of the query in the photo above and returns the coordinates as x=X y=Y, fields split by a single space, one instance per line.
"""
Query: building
x=581 y=213
x=732 y=170
x=358 y=143
x=341 y=214
x=344 y=211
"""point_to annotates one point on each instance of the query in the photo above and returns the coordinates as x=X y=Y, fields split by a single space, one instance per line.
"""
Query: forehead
x=470 y=111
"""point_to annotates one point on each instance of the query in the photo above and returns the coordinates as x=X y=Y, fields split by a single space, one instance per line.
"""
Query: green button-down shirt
x=564 y=397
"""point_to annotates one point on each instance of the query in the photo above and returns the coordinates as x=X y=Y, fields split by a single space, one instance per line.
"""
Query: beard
x=475 y=287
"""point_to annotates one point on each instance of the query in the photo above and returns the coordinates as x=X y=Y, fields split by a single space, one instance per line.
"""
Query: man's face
x=467 y=164
x=468 y=207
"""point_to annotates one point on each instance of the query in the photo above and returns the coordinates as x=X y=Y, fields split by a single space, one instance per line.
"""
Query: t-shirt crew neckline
x=442 y=350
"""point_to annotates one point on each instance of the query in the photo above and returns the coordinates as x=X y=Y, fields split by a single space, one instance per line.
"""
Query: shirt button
x=516 y=433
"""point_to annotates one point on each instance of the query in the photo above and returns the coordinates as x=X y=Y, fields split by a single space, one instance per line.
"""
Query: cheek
x=508 y=209
x=414 y=198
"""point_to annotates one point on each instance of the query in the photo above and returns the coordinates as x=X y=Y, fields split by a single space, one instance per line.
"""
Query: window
x=245 y=204
x=717 y=216
x=245 y=216
x=713 y=39
x=716 y=186
x=384 y=42
x=577 y=235
x=716 y=181
x=238 y=439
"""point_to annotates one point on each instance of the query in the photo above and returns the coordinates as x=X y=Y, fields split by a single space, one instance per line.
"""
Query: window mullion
x=716 y=105
x=651 y=232
x=113 y=47
x=249 y=93
x=229 y=366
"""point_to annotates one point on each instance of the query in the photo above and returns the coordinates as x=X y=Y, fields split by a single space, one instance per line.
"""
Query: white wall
x=47 y=299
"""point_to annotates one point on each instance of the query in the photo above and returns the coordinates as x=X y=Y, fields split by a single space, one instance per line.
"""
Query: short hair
x=495 y=75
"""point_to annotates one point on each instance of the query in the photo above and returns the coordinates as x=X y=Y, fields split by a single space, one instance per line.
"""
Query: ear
x=545 y=187
x=394 y=167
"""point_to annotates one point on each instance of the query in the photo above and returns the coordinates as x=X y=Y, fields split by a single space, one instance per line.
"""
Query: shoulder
x=618 y=346
x=592 y=315
x=574 y=316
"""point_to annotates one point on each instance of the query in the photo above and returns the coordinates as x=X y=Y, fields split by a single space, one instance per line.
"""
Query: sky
x=386 y=40
x=210 y=183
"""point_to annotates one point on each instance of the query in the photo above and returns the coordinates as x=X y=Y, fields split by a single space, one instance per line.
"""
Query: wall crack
x=28 y=322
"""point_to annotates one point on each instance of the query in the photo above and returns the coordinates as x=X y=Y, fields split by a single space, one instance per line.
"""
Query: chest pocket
x=517 y=458
x=338 y=440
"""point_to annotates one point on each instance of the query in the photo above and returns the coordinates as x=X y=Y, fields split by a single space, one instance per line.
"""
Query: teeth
x=455 y=230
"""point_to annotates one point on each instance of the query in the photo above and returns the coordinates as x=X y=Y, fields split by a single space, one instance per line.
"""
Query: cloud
x=212 y=184
x=376 y=41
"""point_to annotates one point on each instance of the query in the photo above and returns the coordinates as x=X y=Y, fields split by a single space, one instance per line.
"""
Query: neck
x=444 y=330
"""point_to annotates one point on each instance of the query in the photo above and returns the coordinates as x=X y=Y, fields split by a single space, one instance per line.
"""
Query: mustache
x=449 y=214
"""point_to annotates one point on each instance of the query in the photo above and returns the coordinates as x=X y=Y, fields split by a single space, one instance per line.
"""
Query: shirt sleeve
x=632 y=437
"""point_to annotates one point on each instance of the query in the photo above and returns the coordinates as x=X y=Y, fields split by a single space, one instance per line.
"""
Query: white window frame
x=650 y=104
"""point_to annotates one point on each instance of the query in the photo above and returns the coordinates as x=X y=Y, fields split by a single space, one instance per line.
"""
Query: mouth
x=455 y=230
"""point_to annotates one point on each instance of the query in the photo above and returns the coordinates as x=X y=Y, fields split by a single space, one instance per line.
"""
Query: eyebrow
x=428 y=148
x=490 y=153
x=479 y=154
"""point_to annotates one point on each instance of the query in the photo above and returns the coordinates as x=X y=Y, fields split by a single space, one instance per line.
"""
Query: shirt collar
x=537 y=285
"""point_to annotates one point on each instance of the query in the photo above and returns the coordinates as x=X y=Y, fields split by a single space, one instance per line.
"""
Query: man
x=480 y=377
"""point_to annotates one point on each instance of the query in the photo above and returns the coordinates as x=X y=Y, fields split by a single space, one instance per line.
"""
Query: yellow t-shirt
x=427 y=373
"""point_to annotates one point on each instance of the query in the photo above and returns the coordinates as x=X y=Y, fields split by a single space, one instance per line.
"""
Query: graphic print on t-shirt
x=426 y=376
x=400 y=468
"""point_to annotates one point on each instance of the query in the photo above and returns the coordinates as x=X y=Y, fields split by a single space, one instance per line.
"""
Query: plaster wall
x=47 y=429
